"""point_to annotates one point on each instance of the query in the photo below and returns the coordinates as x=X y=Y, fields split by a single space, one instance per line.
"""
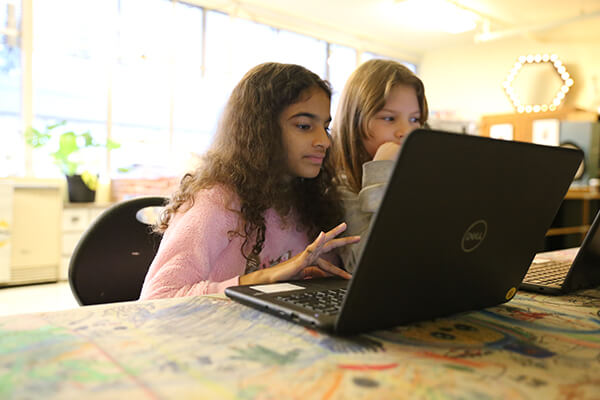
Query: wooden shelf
x=522 y=123
x=584 y=193
x=568 y=230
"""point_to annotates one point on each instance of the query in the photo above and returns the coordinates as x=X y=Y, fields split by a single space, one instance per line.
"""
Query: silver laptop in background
x=557 y=272
x=459 y=224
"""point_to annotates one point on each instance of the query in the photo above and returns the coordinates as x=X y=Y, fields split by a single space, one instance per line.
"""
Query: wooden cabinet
x=29 y=232
x=521 y=125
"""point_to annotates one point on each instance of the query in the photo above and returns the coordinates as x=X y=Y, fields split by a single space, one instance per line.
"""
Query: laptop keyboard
x=547 y=272
x=327 y=302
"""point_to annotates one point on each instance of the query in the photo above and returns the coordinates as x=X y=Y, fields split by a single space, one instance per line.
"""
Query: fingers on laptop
x=332 y=269
x=323 y=269
x=312 y=272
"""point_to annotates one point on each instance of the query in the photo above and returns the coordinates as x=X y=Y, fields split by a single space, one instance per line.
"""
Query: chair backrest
x=112 y=257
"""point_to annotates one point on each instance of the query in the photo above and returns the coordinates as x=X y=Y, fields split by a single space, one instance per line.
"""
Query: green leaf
x=111 y=144
x=35 y=138
x=88 y=139
x=68 y=143
x=50 y=127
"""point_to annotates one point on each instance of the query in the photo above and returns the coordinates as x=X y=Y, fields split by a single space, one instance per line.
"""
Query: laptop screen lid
x=566 y=270
x=460 y=221
x=585 y=270
x=457 y=229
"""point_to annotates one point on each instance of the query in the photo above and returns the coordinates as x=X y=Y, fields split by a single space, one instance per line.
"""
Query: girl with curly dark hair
x=257 y=208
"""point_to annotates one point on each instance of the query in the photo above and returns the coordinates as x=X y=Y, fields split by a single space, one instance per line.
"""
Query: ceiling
x=383 y=22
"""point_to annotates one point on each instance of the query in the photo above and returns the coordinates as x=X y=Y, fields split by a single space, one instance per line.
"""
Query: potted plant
x=81 y=183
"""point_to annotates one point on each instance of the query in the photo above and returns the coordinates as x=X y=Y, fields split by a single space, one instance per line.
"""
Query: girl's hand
x=387 y=151
x=307 y=264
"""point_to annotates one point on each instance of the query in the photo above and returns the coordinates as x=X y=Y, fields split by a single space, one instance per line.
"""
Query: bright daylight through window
x=155 y=85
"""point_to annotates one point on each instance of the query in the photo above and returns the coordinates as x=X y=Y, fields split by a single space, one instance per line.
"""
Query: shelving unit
x=585 y=194
x=522 y=124
x=30 y=239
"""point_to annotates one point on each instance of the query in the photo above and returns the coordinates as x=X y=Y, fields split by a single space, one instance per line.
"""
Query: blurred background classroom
x=144 y=81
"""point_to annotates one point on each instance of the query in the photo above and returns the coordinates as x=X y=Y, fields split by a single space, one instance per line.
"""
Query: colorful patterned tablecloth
x=534 y=347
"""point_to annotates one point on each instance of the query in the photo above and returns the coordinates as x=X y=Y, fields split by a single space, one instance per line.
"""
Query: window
x=72 y=41
x=294 y=48
x=193 y=108
x=233 y=46
x=12 y=151
x=366 y=56
x=153 y=75
x=141 y=87
x=341 y=63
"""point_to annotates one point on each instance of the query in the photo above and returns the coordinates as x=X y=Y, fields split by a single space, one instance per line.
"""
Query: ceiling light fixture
x=561 y=70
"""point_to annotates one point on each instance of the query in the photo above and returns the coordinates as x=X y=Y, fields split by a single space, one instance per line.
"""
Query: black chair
x=111 y=259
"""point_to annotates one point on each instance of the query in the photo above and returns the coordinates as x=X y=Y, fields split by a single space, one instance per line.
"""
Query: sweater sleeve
x=185 y=262
x=360 y=207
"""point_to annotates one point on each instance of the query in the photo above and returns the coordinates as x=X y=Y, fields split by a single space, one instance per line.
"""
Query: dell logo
x=474 y=236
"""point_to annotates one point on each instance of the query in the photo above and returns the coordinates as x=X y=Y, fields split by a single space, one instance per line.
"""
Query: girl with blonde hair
x=381 y=103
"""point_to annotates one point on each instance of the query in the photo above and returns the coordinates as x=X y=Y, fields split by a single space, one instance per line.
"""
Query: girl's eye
x=389 y=119
x=415 y=120
x=303 y=127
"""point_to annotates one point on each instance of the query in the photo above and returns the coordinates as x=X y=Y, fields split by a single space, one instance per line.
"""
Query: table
x=533 y=347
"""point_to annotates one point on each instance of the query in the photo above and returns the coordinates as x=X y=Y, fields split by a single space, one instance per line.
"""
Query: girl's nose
x=322 y=140
x=402 y=129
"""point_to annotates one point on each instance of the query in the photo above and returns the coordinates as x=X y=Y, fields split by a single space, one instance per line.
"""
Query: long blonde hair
x=248 y=157
x=364 y=95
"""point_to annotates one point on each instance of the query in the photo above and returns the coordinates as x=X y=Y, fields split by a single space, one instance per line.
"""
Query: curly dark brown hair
x=247 y=156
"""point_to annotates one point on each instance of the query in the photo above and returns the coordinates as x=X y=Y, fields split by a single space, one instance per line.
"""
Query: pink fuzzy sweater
x=200 y=253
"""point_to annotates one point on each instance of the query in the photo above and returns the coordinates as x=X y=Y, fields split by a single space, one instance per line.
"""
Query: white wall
x=467 y=81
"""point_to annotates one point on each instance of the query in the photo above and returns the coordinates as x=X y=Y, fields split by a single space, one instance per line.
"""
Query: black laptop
x=557 y=272
x=460 y=223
